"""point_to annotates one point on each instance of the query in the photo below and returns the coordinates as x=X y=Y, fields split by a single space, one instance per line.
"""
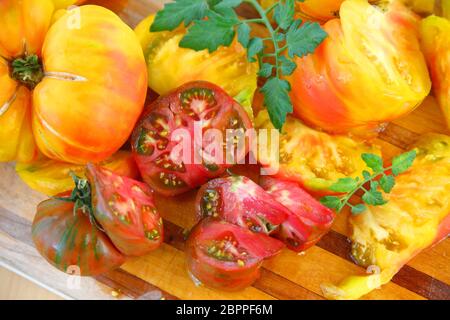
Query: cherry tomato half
x=156 y=136
x=125 y=209
x=240 y=201
x=308 y=220
x=227 y=257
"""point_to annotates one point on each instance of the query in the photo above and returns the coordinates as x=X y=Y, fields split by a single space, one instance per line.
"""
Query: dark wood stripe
x=408 y=277
x=132 y=286
x=398 y=136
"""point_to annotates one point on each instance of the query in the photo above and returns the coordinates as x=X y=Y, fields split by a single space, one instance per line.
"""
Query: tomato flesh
x=156 y=136
x=125 y=209
x=240 y=201
x=227 y=257
x=308 y=219
x=70 y=242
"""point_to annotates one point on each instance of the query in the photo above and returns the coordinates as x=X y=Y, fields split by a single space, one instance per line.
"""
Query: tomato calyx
x=81 y=196
x=27 y=70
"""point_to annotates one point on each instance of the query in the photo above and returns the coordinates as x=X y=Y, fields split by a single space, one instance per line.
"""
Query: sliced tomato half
x=240 y=201
x=308 y=220
x=156 y=142
x=225 y=256
x=125 y=209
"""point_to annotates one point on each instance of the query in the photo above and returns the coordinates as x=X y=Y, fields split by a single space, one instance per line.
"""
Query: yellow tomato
x=62 y=4
x=170 y=66
x=369 y=70
x=435 y=32
x=53 y=177
x=312 y=158
x=415 y=217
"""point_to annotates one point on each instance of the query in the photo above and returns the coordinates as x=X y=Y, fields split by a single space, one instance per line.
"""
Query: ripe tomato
x=240 y=201
x=308 y=219
x=125 y=209
x=415 y=217
x=368 y=71
x=154 y=138
x=62 y=4
x=319 y=10
x=225 y=256
x=312 y=158
x=170 y=66
x=76 y=73
x=67 y=239
x=53 y=177
x=435 y=32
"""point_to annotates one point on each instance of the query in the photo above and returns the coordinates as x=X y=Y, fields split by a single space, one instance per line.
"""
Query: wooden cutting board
x=162 y=274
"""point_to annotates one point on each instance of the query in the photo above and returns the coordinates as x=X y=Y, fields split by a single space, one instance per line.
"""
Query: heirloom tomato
x=125 y=209
x=81 y=81
x=53 y=177
x=416 y=216
x=240 y=201
x=318 y=10
x=170 y=123
x=308 y=220
x=435 y=32
x=71 y=242
x=170 y=66
x=368 y=71
x=225 y=256
x=312 y=158
x=62 y=4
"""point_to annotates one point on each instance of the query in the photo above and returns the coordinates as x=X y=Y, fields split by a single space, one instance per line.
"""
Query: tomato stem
x=27 y=70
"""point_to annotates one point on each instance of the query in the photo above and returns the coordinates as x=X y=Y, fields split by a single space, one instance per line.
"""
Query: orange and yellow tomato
x=368 y=71
x=435 y=38
x=93 y=89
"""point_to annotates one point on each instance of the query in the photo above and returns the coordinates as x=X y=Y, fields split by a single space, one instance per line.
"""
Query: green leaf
x=373 y=161
x=403 y=162
x=387 y=183
x=374 y=185
x=304 y=39
x=284 y=14
x=228 y=4
x=345 y=185
x=358 y=209
x=244 y=34
x=220 y=32
x=374 y=198
x=174 y=13
x=331 y=202
x=366 y=175
x=287 y=66
x=266 y=70
x=255 y=47
x=277 y=100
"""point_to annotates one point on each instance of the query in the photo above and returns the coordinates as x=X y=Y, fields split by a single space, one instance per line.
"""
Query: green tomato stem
x=27 y=70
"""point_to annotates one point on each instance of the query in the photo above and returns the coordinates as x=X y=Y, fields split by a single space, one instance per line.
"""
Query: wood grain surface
x=162 y=274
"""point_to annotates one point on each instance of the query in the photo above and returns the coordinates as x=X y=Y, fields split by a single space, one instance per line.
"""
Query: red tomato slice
x=225 y=256
x=155 y=136
x=308 y=220
x=240 y=201
x=125 y=209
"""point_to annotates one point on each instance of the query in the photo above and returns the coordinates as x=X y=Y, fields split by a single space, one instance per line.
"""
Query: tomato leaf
x=403 y=162
x=174 y=13
x=284 y=14
x=374 y=198
x=227 y=4
x=244 y=34
x=287 y=66
x=331 y=202
x=304 y=39
x=254 y=48
x=266 y=70
x=373 y=161
x=387 y=182
x=277 y=100
x=345 y=185
x=358 y=209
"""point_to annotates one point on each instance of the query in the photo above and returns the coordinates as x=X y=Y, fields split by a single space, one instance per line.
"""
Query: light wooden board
x=162 y=274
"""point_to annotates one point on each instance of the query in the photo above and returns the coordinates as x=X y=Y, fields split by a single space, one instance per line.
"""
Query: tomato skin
x=125 y=209
x=308 y=220
x=53 y=177
x=154 y=139
x=227 y=275
x=66 y=240
x=240 y=201
x=318 y=10
x=312 y=158
x=62 y=4
x=435 y=37
x=368 y=71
